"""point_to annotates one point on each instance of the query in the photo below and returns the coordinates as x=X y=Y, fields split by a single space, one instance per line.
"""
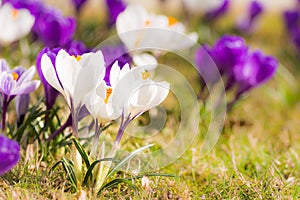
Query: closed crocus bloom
x=218 y=11
x=139 y=29
x=228 y=52
x=17 y=23
x=78 y=4
x=291 y=19
x=74 y=76
x=255 y=9
x=53 y=28
x=9 y=154
x=115 y=7
x=255 y=70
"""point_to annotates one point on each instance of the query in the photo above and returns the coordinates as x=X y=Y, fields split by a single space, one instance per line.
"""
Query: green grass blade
x=125 y=160
x=116 y=182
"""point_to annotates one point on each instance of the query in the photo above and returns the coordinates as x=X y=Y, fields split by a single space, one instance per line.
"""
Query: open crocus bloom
x=15 y=23
x=136 y=92
x=12 y=83
x=139 y=29
x=74 y=76
x=9 y=154
x=99 y=101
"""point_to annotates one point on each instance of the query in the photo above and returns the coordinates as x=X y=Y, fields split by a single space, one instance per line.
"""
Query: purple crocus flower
x=255 y=9
x=291 y=19
x=227 y=52
x=50 y=93
x=217 y=12
x=239 y=67
x=53 y=28
x=13 y=83
x=78 y=4
x=115 y=7
x=253 y=71
x=9 y=154
x=112 y=54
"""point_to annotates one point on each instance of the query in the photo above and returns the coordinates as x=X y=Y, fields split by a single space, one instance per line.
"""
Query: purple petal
x=7 y=83
x=22 y=104
x=9 y=154
x=291 y=19
x=26 y=88
x=3 y=65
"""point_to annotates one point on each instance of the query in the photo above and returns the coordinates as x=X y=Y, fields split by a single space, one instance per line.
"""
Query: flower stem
x=4 y=111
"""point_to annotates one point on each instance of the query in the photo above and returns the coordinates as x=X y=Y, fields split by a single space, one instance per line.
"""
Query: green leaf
x=82 y=152
x=90 y=169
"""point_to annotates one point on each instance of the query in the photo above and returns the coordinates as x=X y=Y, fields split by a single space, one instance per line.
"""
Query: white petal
x=90 y=75
x=146 y=60
x=50 y=74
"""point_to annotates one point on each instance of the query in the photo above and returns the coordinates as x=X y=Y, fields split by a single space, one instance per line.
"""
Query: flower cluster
x=240 y=68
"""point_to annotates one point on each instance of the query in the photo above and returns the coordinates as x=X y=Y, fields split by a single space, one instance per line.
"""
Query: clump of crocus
x=129 y=93
x=13 y=83
x=241 y=69
x=9 y=154
x=15 y=23
x=247 y=23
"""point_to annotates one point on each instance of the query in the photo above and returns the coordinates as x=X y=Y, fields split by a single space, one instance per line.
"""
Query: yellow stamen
x=14 y=13
x=172 y=21
x=15 y=75
x=77 y=57
x=108 y=93
x=147 y=22
x=145 y=75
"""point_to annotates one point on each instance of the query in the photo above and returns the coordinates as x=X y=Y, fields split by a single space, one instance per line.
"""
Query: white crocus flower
x=15 y=23
x=135 y=94
x=99 y=101
x=139 y=29
x=74 y=76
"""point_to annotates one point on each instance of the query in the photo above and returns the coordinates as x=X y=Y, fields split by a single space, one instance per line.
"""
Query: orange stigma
x=77 y=57
x=147 y=22
x=145 y=75
x=108 y=93
x=15 y=75
x=172 y=21
x=14 y=13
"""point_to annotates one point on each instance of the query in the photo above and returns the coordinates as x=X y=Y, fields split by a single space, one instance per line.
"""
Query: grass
x=257 y=155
